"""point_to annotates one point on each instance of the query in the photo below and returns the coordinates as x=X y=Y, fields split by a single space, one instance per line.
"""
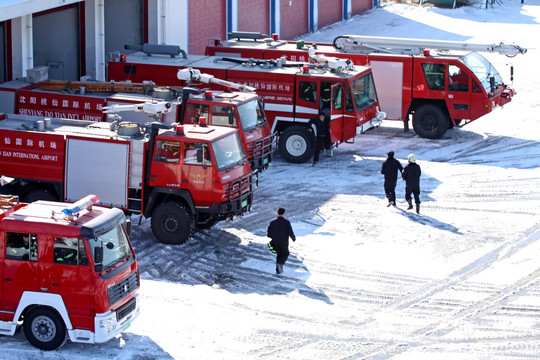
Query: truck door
x=336 y=113
x=458 y=93
x=165 y=168
x=198 y=171
x=70 y=276
x=21 y=270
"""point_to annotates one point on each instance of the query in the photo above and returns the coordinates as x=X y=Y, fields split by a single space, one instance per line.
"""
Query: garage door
x=254 y=15
x=57 y=43
x=359 y=6
x=3 y=62
x=123 y=24
x=330 y=11
x=294 y=18
x=205 y=24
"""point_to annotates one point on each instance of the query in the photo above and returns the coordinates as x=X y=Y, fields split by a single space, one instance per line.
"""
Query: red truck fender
x=55 y=301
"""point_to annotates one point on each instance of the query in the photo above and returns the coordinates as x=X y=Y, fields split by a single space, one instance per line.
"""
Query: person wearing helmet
x=411 y=175
x=390 y=169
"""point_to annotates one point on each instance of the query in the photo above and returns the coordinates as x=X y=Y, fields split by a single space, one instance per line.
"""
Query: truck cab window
x=167 y=151
x=69 y=251
x=307 y=91
x=194 y=112
x=325 y=96
x=337 y=97
x=457 y=80
x=190 y=154
x=434 y=74
x=220 y=116
x=21 y=246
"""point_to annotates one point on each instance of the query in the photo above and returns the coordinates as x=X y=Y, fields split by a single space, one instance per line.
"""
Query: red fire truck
x=181 y=177
x=293 y=93
x=440 y=83
x=68 y=271
x=86 y=100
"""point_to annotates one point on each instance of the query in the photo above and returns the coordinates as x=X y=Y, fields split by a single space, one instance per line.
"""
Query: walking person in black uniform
x=322 y=124
x=279 y=230
x=390 y=169
x=411 y=175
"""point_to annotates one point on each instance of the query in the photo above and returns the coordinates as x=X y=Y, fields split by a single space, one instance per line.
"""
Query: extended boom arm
x=191 y=74
x=390 y=45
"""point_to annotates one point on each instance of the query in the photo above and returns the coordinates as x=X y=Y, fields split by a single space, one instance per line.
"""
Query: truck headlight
x=106 y=323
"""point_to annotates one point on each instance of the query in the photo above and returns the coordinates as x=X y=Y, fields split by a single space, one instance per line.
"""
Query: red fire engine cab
x=293 y=93
x=181 y=177
x=68 y=271
x=86 y=100
x=440 y=83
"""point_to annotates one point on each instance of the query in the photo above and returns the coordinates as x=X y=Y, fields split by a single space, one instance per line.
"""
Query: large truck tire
x=40 y=194
x=7 y=190
x=296 y=144
x=44 y=328
x=172 y=223
x=430 y=121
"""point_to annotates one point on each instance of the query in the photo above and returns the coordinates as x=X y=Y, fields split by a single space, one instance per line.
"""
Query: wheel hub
x=44 y=329
x=296 y=145
x=170 y=224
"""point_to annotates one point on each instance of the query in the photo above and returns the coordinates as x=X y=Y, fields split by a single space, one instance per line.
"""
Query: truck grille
x=239 y=187
x=123 y=289
x=263 y=147
x=126 y=309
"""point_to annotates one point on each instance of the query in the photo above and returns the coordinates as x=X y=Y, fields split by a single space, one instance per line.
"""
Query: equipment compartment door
x=388 y=77
x=97 y=167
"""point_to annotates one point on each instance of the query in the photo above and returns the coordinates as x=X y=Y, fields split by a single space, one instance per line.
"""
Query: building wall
x=82 y=43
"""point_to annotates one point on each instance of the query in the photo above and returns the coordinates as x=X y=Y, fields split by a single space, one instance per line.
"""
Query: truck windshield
x=251 y=114
x=228 y=151
x=363 y=91
x=115 y=246
x=482 y=69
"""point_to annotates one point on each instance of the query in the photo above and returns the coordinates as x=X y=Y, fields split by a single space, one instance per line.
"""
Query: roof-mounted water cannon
x=153 y=109
x=336 y=64
x=194 y=75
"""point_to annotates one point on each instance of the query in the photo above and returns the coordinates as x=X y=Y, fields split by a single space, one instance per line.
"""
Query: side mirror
x=98 y=259
x=492 y=83
x=199 y=155
x=511 y=73
x=231 y=118
x=128 y=227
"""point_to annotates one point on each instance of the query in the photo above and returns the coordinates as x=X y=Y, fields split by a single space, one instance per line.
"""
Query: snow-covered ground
x=459 y=281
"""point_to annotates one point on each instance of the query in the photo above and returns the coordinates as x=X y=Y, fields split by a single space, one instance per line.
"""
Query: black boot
x=409 y=201
x=418 y=208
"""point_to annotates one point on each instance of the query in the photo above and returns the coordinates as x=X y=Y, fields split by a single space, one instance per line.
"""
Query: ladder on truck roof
x=96 y=86
x=391 y=45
